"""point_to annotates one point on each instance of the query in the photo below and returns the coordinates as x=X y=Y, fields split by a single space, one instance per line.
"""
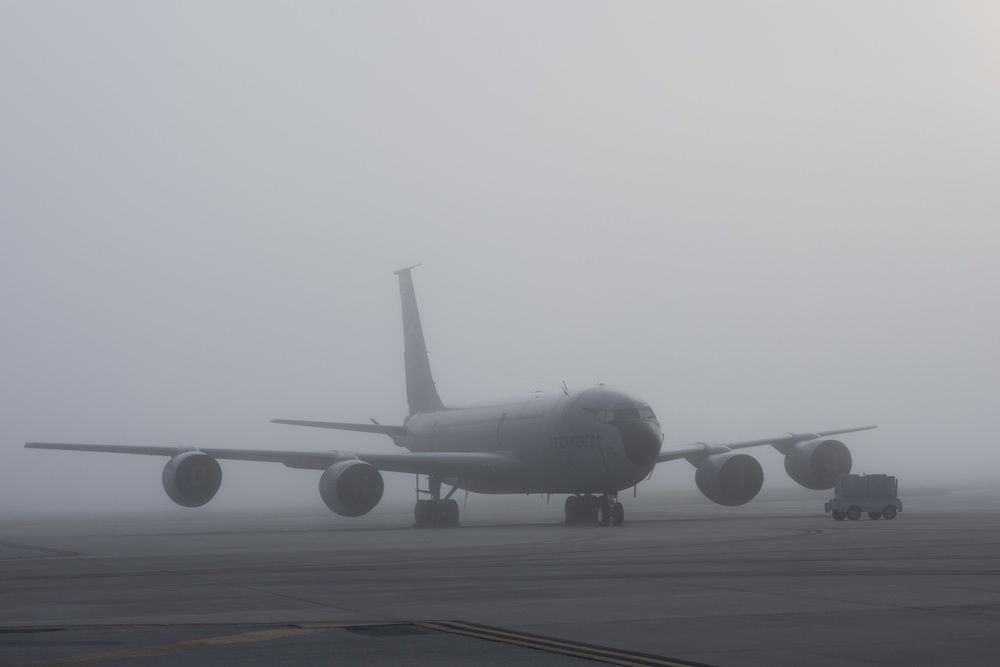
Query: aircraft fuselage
x=596 y=440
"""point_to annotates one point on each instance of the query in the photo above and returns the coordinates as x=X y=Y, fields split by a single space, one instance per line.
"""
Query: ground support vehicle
x=874 y=494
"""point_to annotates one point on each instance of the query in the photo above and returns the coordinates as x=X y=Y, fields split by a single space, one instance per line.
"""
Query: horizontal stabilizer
x=110 y=449
x=391 y=431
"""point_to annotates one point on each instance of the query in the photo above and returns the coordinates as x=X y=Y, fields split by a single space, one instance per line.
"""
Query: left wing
x=444 y=464
x=781 y=442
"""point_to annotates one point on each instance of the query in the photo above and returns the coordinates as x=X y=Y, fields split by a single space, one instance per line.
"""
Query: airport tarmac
x=770 y=583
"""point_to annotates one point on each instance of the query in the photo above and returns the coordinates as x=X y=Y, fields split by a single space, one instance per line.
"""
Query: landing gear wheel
x=588 y=513
x=420 y=514
x=617 y=514
x=874 y=516
x=451 y=512
x=603 y=511
x=574 y=509
x=853 y=512
x=435 y=512
x=889 y=512
x=838 y=515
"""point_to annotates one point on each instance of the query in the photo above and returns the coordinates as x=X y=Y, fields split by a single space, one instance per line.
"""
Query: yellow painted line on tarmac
x=179 y=647
x=575 y=649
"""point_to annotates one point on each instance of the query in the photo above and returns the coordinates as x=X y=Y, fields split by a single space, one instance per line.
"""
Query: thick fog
x=758 y=217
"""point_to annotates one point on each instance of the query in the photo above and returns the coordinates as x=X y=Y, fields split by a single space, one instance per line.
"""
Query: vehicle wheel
x=451 y=512
x=889 y=512
x=617 y=514
x=874 y=516
x=603 y=511
x=838 y=515
x=573 y=509
x=853 y=512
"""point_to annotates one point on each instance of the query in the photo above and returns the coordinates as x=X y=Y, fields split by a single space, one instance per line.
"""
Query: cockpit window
x=607 y=416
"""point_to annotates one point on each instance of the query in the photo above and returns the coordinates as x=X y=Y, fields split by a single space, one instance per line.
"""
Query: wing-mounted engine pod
x=191 y=479
x=729 y=478
x=351 y=488
x=815 y=464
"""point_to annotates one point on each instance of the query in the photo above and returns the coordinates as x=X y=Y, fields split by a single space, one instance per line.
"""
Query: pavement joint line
x=179 y=647
x=566 y=647
x=45 y=550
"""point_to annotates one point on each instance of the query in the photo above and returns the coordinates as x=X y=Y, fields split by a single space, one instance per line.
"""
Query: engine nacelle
x=351 y=488
x=191 y=479
x=729 y=478
x=815 y=464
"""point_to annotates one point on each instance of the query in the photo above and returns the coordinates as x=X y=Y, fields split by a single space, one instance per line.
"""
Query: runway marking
x=44 y=550
x=565 y=647
x=179 y=647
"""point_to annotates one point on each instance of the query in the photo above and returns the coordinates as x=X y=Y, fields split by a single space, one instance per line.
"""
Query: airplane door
x=609 y=453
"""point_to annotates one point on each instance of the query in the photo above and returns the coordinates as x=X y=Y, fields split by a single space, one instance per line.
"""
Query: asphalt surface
x=772 y=583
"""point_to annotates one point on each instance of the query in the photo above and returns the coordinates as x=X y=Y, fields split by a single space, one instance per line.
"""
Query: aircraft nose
x=641 y=439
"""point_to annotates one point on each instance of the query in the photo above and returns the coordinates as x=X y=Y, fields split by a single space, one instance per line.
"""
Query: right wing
x=465 y=465
x=781 y=442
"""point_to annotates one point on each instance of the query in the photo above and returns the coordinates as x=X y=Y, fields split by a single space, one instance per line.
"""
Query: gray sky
x=759 y=217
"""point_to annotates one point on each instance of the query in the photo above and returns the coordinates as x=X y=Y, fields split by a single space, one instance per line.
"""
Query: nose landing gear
x=435 y=511
x=602 y=510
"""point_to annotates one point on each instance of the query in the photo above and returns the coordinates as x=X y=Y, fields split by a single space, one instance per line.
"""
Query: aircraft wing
x=393 y=431
x=780 y=442
x=444 y=464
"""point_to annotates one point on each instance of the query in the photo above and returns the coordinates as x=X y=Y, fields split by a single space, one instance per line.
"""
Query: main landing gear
x=602 y=510
x=435 y=511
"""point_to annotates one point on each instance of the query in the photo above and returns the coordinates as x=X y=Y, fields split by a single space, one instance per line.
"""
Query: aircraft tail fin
x=421 y=394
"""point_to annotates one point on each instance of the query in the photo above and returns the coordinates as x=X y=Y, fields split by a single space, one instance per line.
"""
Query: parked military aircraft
x=588 y=443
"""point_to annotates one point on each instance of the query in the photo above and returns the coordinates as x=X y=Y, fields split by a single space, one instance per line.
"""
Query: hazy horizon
x=758 y=218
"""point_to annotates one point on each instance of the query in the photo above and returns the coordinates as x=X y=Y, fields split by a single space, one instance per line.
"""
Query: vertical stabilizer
x=421 y=393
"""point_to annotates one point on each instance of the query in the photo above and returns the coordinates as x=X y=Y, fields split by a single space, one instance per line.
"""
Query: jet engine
x=728 y=478
x=351 y=488
x=815 y=464
x=191 y=479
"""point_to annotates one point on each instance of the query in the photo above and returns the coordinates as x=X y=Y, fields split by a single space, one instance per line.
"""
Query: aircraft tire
x=889 y=512
x=617 y=514
x=420 y=514
x=603 y=511
x=451 y=512
x=874 y=516
x=574 y=509
x=853 y=513
x=838 y=515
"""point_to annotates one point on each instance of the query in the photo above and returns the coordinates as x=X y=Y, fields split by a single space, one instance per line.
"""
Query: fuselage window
x=603 y=416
